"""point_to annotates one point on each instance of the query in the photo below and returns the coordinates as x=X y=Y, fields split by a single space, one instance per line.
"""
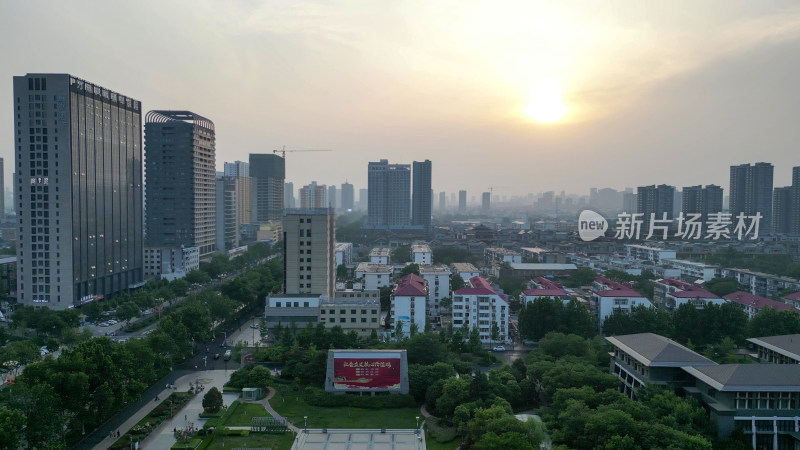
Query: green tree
x=341 y=272
x=212 y=401
x=409 y=269
x=198 y=277
x=722 y=286
x=386 y=298
x=401 y=255
x=446 y=302
x=580 y=277
x=456 y=282
x=398 y=330
x=92 y=311
x=128 y=311
x=425 y=349
x=413 y=329
x=771 y=322
x=12 y=423
x=450 y=255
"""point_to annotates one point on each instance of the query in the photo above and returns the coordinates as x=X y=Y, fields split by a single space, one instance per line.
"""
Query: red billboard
x=366 y=373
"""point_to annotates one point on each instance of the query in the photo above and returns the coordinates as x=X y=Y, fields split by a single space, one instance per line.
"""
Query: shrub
x=318 y=397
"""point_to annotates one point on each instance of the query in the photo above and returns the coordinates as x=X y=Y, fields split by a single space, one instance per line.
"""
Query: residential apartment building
x=422 y=196
x=313 y=196
x=482 y=305
x=752 y=304
x=348 y=197
x=501 y=255
x=647 y=358
x=409 y=304
x=544 y=288
x=373 y=275
x=308 y=245
x=421 y=254
x=389 y=194
x=701 y=200
x=671 y=294
x=751 y=192
x=77 y=190
x=654 y=201
x=692 y=270
x=782 y=209
x=649 y=253
x=438 y=278
x=228 y=217
x=486 y=202
x=609 y=296
x=343 y=253
x=380 y=255
x=465 y=270
x=759 y=283
x=288 y=309
x=268 y=172
x=462 y=202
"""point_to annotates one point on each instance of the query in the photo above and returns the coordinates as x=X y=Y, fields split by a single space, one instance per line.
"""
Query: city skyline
x=713 y=92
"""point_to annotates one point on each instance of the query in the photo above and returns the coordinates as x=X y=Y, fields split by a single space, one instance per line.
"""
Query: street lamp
x=417 y=421
x=305 y=423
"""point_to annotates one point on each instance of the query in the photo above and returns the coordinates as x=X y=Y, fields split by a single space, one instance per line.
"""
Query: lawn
x=431 y=444
x=274 y=441
x=294 y=408
x=244 y=413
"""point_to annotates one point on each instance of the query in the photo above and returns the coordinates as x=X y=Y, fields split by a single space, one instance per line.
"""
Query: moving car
x=498 y=348
x=227 y=355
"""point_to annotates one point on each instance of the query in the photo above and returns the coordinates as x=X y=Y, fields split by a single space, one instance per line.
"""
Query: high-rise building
x=629 y=202
x=422 y=200
x=348 y=197
x=751 y=192
x=442 y=201
x=794 y=226
x=782 y=209
x=313 y=196
x=237 y=169
x=308 y=248
x=462 y=202
x=389 y=194
x=363 y=199
x=486 y=202
x=268 y=172
x=656 y=200
x=181 y=192
x=78 y=190
x=288 y=195
x=244 y=194
x=332 y=192
x=228 y=218
x=701 y=200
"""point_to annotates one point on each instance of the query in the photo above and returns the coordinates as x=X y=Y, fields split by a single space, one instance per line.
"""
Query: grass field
x=293 y=407
x=244 y=414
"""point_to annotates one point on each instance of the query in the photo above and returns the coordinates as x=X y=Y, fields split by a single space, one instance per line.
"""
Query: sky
x=643 y=92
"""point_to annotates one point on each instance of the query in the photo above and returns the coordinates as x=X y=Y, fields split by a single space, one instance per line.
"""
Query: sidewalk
x=183 y=386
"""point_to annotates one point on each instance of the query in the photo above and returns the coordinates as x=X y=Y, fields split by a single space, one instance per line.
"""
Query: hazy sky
x=657 y=92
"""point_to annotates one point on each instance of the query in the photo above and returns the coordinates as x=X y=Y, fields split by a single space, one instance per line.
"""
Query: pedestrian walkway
x=265 y=401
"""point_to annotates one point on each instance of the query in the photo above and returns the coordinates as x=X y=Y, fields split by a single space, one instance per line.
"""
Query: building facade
x=409 y=304
x=348 y=197
x=268 y=172
x=181 y=191
x=462 y=202
x=78 y=190
x=481 y=305
x=421 y=254
x=389 y=195
x=438 y=279
x=170 y=263
x=308 y=246
x=751 y=192
x=422 y=195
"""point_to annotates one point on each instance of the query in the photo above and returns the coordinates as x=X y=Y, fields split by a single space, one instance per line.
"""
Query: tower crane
x=492 y=188
x=283 y=150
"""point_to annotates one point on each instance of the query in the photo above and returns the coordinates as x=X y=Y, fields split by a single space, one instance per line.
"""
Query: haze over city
x=534 y=96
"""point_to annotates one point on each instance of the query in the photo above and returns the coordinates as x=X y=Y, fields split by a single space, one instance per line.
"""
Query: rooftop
x=478 y=286
x=749 y=377
x=501 y=251
x=793 y=297
x=464 y=267
x=433 y=269
x=788 y=344
x=380 y=251
x=367 y=267
x=748 y=299
x=654 y=350
x=542 y=266
x=411 y=285
x=420 y=248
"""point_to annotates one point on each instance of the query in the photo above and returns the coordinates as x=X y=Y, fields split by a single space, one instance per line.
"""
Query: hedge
x=318 y=397
x=219 y=421
x=191 y=445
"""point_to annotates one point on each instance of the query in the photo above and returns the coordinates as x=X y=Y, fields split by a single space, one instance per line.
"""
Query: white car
x=499 y=348
x=255 y=325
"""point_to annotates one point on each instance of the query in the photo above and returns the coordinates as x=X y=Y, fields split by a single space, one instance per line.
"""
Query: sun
x=546 y=104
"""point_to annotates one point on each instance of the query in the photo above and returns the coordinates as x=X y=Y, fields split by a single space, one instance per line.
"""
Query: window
x=277 y=304
x=305 y=304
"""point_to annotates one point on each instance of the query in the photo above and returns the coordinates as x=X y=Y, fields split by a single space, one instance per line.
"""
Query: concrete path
x=265 y=401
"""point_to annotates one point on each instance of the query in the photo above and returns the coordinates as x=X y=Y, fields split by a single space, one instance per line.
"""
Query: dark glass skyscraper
x=422 y=200
x=181 y=193
x=78 y=190
x=655 y=200
x=702 y=200
x=268 y=172
x=389 y=194
x=782 y=209
x=348 y=197
x=751 y=192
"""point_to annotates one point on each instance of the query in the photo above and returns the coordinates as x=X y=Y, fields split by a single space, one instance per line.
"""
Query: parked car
x=498 y=348
x=227 y=355
x=216 y=355
x=255 y=325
